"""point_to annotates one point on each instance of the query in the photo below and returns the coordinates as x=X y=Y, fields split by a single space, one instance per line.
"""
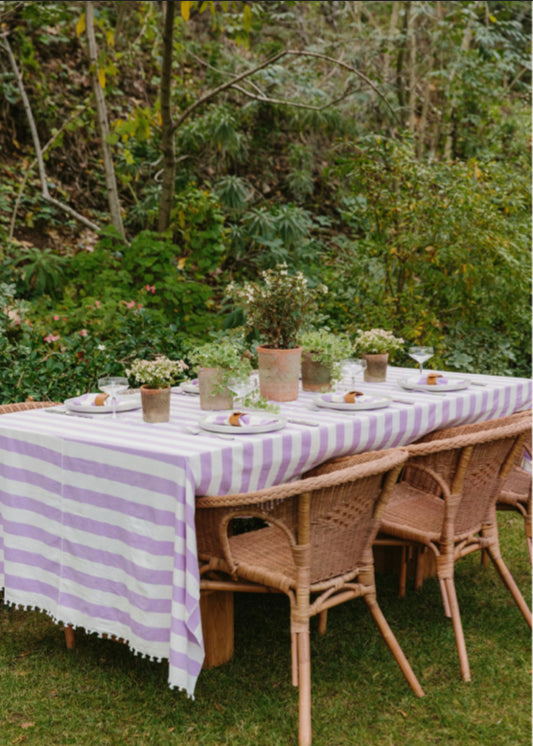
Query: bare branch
x=36 y=142
x=211 y=94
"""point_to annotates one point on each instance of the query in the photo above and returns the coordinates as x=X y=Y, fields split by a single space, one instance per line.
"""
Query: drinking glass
x=112 y=386
x=241 y=387
x=351 y=367
x=421 y=354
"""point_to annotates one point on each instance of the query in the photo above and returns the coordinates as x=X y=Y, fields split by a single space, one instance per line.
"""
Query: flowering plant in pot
x=322 y=356
x=156 y=377
x=218 y=362
x=375 y=345
x=277 y=307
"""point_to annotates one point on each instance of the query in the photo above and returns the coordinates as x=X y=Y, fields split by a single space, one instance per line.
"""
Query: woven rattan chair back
x=24 y=405
x=446 y=501
x=315 y=546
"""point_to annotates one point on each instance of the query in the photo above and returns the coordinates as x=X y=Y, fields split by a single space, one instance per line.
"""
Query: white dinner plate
x=367 y=401
x=259 y=422
x=85 y=403
x=190 y=387
x=452 y=384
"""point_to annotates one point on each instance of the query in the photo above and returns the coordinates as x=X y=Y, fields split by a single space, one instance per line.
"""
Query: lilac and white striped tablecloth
x=97 y=515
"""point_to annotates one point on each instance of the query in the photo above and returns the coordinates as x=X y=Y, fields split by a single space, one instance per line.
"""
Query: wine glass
x=421 y=354
x=241 y=387
x=351 y=367
x=112 y=386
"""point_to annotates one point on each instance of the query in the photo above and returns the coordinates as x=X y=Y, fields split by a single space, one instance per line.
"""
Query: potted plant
x=322 y=353
x=277 y=307
x=375 y=345
x=218 y=362
x=156 y=377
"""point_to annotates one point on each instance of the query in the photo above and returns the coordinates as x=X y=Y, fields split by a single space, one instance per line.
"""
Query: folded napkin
x=240 y=419
x=432 y=379
x=348 y=397
x=92 y=400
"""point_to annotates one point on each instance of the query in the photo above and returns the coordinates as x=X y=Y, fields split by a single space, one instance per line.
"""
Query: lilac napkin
x=88 y=400
x=339 y=397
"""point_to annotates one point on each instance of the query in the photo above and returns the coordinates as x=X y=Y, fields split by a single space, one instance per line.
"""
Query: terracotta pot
x=376 y=367
x=156 y=404
x=315 y=375
x=212 y=394
x=279 y=373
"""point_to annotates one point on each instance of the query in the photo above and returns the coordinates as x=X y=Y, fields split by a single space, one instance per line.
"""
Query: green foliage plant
x=278 y=305
x=224 y=353
x=327 y=348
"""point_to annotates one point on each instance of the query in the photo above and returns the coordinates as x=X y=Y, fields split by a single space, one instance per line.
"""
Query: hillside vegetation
x=153 y=152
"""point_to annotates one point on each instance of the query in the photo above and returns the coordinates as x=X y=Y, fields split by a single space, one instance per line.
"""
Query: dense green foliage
x=385 y=155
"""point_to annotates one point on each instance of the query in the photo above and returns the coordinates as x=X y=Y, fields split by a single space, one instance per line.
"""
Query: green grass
x=102 y=694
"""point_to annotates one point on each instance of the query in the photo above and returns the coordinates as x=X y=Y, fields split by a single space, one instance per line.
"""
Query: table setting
x=97 y=508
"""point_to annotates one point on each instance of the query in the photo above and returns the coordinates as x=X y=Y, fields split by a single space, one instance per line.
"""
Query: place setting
x=431 y=382
x=114 y=397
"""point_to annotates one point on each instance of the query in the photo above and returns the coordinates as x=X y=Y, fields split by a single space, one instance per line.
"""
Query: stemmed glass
x=241 y=387
x=421 y=354
x=112 y=386
x=351 y=367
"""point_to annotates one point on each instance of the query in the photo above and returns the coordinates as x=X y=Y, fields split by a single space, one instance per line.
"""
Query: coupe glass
x=241 y=387
x=351 y=367
x=113 y=386
x=421 y=354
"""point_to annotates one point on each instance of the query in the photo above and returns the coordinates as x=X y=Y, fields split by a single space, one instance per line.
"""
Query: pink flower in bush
x=97 y=303
x=52 y=338
x=56 y=318
x=84 y=332
x=150 y=289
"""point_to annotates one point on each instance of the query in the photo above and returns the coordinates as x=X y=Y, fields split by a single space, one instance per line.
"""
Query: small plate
x=85 y=403
x=259 y=422
x=363 y=402
x=452 y=384
x=190 y=387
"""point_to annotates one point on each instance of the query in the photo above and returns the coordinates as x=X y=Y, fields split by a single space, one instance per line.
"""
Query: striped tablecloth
x=97 y=515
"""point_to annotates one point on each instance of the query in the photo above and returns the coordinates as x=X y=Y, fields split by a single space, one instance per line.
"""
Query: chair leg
x=304 y=689
x=70 y=637
x=294 y=658
x=403 y=573
x=322 y=622
x=508 y=579
x=445 y=600
x=449 y=586
x=392 y=643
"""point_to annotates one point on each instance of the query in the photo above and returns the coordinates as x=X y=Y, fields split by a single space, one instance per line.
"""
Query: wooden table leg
x=216 y=608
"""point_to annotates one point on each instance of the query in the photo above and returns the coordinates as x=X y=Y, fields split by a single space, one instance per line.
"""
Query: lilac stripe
x=27 y=476
x=115 y=473
x=109 y=613
x=144 y=512
x=112 y=531
x=117 y=561
x=20 y=502
x=267 y=459
x=26 y=448
x=12 y=528
x=101 y=584
x=183 y=663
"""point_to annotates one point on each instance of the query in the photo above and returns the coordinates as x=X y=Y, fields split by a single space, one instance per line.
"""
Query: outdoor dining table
x=97 y=514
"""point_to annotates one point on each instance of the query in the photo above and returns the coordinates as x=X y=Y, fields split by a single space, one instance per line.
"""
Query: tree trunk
x=103 y=123
x=167 y=126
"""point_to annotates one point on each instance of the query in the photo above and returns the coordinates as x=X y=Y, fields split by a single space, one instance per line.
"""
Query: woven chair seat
x=446 y=500
x=316 y=548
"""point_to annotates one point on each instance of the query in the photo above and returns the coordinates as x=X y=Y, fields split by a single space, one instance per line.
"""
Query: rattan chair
x=21 y=407
x=515 y=492
x=446 y=499
x=313 y=543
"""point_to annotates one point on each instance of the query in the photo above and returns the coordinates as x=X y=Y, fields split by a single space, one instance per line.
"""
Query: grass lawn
x=102 y=694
